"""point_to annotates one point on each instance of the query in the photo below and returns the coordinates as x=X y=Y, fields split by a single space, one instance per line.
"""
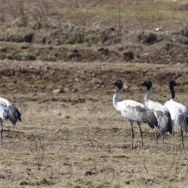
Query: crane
x=8 y=111
x=161 y=112
x=134 y=111
x=178 y=111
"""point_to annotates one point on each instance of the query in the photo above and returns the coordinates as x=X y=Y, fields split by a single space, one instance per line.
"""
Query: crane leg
x=132 y=134
x=173 y=132
x=141 y=134
x=182 y=138
x=162 y=138
x=1 y=130
x=156 y=137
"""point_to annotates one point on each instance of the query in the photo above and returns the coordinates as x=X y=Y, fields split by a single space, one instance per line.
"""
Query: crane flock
x=156 y=115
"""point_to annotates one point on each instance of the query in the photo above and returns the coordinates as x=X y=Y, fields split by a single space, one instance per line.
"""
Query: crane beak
x=179 y=84
x=113 y=83
x=185 y=83
x=141 y=84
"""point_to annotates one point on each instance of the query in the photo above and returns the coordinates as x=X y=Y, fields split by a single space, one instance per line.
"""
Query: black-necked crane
x=8 y=111
x=134 y=111
x=161 y=112
x=178 y=111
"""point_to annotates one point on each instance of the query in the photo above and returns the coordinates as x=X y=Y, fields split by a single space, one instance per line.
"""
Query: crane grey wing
x=144 y=115
x=167 y=113
x=13 y=114
x=183 y=120
x=164 y=122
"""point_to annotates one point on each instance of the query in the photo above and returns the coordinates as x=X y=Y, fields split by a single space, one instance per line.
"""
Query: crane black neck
x=173 y=83
x=172 y=91
x=149 y=87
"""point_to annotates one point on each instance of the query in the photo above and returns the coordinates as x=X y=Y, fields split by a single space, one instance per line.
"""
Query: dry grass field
x=76 y=138
x=57 y=59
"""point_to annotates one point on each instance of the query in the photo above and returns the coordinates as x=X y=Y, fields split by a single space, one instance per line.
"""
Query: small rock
x=66 y=90
x=126 y=87
x=56 y=91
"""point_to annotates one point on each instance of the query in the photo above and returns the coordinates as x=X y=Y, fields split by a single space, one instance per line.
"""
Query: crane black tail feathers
x=170 y=127
x=13 y=114
x=151 y=119
x=18 y=114
x=183 y=119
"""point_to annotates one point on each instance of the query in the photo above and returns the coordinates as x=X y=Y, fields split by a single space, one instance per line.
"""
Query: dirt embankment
x=122 y=31
x=64 y=42
x=81 y=31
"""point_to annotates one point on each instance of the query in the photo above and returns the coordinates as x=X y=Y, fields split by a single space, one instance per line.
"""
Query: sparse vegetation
x=71 y=136
x=76 y=137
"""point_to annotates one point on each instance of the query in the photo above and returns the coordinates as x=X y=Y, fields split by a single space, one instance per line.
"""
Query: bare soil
x=76 y=138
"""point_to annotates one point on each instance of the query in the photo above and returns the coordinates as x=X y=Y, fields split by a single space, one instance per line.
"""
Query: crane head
x=173 y=83
x=147 y=83
x=118 y=84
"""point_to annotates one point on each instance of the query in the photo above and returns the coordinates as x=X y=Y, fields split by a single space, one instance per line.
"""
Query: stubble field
x=76 y=138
